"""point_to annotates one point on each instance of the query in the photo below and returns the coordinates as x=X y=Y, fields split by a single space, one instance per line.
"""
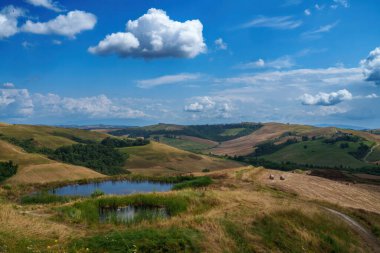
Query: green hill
x=49 y=137
x=317 y=153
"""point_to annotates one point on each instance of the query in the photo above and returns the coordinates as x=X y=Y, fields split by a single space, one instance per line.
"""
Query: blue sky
x=190 y=62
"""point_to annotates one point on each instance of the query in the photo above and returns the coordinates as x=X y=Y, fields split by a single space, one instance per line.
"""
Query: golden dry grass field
x=242 y=211
x=160 y=159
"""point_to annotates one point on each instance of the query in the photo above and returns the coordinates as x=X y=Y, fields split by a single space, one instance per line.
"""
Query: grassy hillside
x=50 y=137
x=318 y=153
x=36 y=168
x=158 y=158
x=374 y=156
x=245 y=145
x=192 y=144
x=218 y=133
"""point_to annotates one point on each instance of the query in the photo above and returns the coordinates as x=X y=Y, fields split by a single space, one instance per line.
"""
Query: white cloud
x=371 y=66
x=155 y=35
x=8 y=21
x=210 y=107
x=57 y=42
x=100 y=107
x=319 y=7
x=307 y=12
x=326 y=99
x=8 y=85
x=194 y=107
x=68 y=25
x=343 y=3
x=48 y=4
x=279 y=63
x=15 y=103
x=168 y=79
x=317 y=32
x=328 y=110
x=300 y=77
x=282 y=23
x=373 y=95
x=26 y=44
x=19 y=103
x=220 y=44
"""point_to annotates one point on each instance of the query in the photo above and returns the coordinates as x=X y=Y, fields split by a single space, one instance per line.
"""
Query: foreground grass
x=236 y=215
x=294 y=231
x=172 y=239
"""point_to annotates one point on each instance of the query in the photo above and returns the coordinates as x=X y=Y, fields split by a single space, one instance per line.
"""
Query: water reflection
x=131 y=213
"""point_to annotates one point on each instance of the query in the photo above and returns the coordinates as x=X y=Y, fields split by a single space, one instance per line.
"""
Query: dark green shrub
x=7 y=169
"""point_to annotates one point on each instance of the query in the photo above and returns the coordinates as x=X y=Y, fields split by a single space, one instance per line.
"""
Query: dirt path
x=370 y=152
x=367 y=236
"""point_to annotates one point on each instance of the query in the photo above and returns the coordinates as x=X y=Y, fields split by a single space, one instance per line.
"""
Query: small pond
x=112 y=187
x=131 y=213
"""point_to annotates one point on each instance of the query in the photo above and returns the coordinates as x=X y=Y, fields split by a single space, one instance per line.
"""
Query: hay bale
x=271 y=177
x=282 y=177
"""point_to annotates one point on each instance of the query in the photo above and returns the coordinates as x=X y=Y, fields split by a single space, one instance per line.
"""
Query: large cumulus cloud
x=155 y=35
x=371 y=66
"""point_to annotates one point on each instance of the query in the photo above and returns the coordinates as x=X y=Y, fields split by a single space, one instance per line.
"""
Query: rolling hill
x=35 y=166
x=299 y=145
x=161 y=159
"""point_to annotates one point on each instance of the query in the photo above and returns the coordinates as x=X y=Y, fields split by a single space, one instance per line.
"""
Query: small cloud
x=168 y=79
x=68 y=25
x=281 y=23
x=317 y=33
x=8 y=85
x=319 y=7
x=210 y=107
x=326 y=99
x=194 y=107
x=48 y=4
x=279 y=63
x=343 y=3
x=220 y=44
x=307 y=12
x=57 y=42
x=371 y=96
x=26 y=44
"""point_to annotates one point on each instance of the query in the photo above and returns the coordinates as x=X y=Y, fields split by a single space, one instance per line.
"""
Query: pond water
x=131 y=213
x=112 y=187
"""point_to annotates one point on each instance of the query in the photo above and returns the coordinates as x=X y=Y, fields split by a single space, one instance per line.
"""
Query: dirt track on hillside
x=244 y=145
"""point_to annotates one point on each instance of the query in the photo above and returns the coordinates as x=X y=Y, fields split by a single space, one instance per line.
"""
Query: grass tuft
x=141 y=240
x=194 y=183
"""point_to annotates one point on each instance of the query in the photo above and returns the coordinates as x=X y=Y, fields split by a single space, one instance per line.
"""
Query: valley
x=214 y=203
